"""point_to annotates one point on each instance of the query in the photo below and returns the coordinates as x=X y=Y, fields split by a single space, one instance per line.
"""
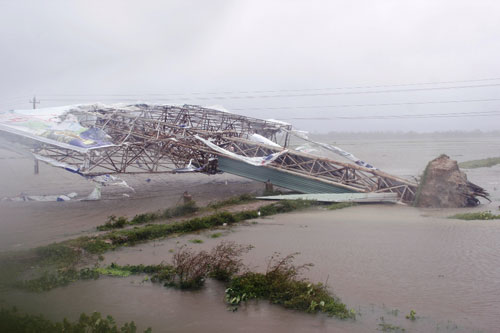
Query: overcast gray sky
x=255 y=57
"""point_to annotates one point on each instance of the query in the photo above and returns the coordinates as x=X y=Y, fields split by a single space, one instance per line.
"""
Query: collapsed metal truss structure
x=162 y=138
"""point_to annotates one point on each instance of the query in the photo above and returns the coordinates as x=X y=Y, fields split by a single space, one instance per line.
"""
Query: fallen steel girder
x=351 y=177
x=162 y=138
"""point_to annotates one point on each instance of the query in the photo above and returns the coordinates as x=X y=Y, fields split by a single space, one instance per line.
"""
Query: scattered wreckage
x=96 y=140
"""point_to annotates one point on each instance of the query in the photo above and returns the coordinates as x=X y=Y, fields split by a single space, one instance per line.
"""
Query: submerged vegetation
x=237 y=200
x=11 y=320
x=281 y=285
x=60 y=264
x=340 y=205
x=183 y=210
x=487 y=215
x=484 y=163
x=114 y=222
x=57 y=264
x=189 y=270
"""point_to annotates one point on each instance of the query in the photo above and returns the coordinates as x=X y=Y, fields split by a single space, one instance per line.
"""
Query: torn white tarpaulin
x=336 y=150
x=45 y=198
x=188 y=168
x=109 y=180
x=104 y=180
x=261 y=139
x=257 y=161
x=94 y=195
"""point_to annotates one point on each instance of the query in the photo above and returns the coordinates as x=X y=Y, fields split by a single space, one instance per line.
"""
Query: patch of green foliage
x=150 y=232
x=59 y=278
x=386 y=327
x=113 y=271
x=114 y=222
x=216 y=235
x=238 y=200
x=484 y=163
x=196 y=241
x=487 y=215
x=59 y=259
x=281 y=285
x=182 y=210
x=58 y=254
x=411 y=315
x=11 y=320
x=340 y=205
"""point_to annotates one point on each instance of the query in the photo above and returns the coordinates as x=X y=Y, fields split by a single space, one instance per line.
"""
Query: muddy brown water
x=381 y=260
x=378 y=259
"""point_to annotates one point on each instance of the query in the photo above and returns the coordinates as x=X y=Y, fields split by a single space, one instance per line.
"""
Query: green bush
x=476 y=216
x=281 y=285
x=11 y=320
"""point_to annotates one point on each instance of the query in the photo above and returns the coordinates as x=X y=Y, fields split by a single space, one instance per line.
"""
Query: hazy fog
x=255 y=57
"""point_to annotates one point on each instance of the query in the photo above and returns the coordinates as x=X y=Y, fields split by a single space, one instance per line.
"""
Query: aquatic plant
x=11 y=320
x=225 y=260
x=386 y=327
x=487 y=215
x=281 y=285
x=59 y=278
x=411 y=315
x=113 y=222
x=191 y=269
x=237 y=200
x=340 y=205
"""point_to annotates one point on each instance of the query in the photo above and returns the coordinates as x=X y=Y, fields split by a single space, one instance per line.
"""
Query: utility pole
x=35 y=102
x=36 y=166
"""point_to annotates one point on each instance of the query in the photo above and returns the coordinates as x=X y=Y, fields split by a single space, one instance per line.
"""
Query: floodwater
x=381 y=260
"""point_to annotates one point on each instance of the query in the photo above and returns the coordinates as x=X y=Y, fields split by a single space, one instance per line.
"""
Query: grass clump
x=182 y=210
x=411 y=315
x=483 y=163
x=59 y=278
x=216 y=235
x=340 y=205
x=196 y=241
x=281 y=285
x=487 y=215
x=11 y=320
x=237 y=200
x=114 y=222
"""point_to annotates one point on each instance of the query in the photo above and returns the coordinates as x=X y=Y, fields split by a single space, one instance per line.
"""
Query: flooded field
x=381 y=260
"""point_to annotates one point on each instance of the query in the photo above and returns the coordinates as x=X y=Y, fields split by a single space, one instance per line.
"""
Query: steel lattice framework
x=161 y=138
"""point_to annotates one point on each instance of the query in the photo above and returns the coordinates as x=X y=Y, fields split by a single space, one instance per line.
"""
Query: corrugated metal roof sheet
x=338 y=197
x=278 y=178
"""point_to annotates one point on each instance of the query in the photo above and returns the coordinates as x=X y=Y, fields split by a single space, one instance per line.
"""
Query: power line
x=304 y=94
x=405 y=116
x=364 y=105
x=289 y=90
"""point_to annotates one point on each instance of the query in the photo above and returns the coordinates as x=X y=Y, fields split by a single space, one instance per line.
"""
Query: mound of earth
x=444 y=185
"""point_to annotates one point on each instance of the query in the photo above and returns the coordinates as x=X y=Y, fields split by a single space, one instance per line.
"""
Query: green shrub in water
x=280 y=285
x=11 y=320
x=476 y=216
